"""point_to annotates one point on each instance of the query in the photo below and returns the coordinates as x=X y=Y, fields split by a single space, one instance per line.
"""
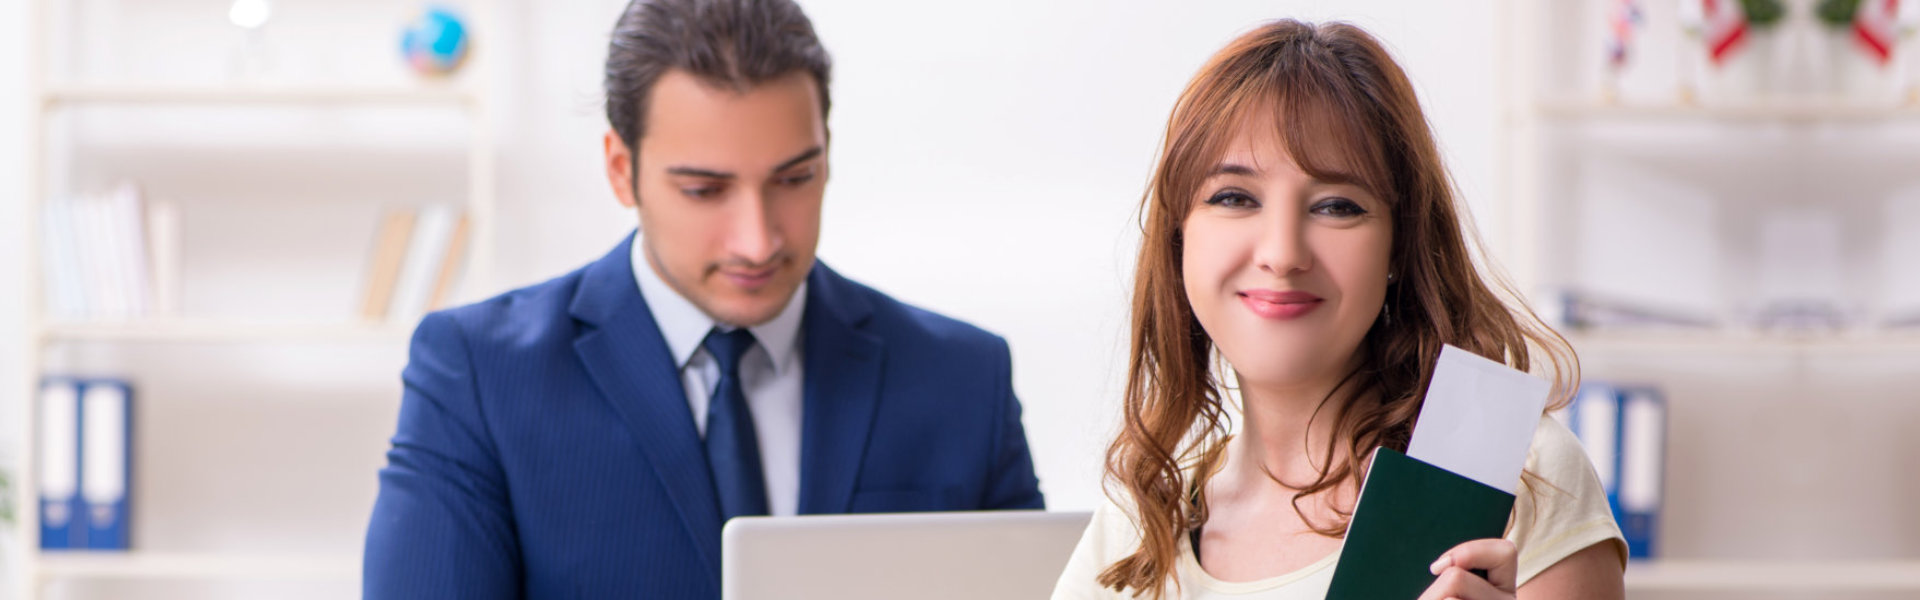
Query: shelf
x=147 y=565
x=1770 y=575
x=1738 y=343
x=80 y=129
x=228 y=331
x=1807 y=109
x=277 y=94
x=1657 y=340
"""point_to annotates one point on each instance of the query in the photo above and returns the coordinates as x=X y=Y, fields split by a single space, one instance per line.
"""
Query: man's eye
x=797 y=180
x=701 y=192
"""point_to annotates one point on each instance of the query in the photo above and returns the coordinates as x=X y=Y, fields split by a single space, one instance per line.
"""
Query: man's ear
x=620 y=169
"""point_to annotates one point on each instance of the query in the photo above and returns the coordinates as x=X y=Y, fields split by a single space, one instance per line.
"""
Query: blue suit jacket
x=545 y=448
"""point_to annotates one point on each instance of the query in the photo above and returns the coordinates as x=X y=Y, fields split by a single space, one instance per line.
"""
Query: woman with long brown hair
x=1303 y=254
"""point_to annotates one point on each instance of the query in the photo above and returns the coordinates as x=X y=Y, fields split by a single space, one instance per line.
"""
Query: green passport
x=1408 y=514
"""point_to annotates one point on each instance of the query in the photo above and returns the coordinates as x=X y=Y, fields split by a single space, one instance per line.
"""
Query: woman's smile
x=1279 y=306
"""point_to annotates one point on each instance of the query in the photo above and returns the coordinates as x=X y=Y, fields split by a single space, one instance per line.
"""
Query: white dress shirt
x=770 y=375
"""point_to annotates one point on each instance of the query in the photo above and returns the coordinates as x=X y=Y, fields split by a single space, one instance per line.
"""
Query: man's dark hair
x=735 y=43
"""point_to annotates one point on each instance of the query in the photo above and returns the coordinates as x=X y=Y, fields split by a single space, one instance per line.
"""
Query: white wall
x=988 y=160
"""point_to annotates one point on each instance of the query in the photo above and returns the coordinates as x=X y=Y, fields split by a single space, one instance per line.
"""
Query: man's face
x=729 y=190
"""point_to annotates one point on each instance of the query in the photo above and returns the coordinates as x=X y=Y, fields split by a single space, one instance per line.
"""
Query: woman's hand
x=1495 y=556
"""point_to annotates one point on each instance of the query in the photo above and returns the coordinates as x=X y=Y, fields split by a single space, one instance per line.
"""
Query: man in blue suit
x=587 y=437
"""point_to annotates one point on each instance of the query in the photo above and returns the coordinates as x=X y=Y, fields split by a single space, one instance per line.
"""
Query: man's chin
x=739 y=312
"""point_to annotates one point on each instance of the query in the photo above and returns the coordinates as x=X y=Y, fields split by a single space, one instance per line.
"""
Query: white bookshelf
x=196 y=331
x=161 y=566
x=1784 y=110
x=235 y=558
x=312 y=95
x=1757 y=576
x=1658 y=341
x=1735 y=394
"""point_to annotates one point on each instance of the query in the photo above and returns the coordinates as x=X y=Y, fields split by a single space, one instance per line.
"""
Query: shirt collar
x=685 y=326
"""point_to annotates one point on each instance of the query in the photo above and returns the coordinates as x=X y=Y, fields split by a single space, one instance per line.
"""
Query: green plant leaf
x=1764 y=13
x=6 y=498
x=1837 y=13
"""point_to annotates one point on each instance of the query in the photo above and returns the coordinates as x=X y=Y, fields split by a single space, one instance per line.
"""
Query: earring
x=1386 y=317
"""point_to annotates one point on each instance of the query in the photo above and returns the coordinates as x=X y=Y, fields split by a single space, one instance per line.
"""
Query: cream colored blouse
x=1550 y=523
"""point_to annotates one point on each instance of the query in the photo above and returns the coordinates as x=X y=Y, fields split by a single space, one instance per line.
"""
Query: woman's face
x=1285 y=272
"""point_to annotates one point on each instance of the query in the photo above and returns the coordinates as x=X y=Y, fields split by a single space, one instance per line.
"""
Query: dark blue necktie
x=733 y=448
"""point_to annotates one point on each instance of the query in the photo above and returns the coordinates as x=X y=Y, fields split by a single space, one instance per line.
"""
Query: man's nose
x=752 y=236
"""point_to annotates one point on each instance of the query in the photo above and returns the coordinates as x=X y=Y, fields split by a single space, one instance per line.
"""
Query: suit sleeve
x=1011 y=484
x=442 y=527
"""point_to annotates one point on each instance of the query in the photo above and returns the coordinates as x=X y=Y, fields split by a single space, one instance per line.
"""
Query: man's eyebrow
x=699 y=172
x=808 y=154
x=805 y=156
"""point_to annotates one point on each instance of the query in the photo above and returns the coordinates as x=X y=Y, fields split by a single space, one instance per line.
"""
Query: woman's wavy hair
x=1342 y=106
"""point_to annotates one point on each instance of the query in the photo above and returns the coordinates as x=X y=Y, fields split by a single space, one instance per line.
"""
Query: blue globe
x=435 y=42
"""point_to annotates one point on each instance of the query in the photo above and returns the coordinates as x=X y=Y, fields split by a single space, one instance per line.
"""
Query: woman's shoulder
x=1556 y=451
x=1114 y=527
x=1562 y=506
x=1110 y=536
x=1559 y=476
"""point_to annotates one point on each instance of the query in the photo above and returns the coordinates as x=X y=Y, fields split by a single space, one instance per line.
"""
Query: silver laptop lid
x=931 y=556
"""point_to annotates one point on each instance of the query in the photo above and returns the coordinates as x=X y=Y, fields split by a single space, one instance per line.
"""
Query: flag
x=1626 y=15
x=1874 y=26
x=1722 y=24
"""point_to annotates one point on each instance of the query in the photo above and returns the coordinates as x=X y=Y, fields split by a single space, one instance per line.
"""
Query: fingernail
x=1446 y=560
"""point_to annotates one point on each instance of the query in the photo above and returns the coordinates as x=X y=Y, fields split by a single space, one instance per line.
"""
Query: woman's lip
x=1269 y=304
x=1278 y=297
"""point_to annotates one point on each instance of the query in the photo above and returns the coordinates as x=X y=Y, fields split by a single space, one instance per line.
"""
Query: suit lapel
x=843 y=366
x=629 y=361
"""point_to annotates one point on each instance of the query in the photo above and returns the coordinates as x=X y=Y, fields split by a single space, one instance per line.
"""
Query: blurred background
x=221 y=219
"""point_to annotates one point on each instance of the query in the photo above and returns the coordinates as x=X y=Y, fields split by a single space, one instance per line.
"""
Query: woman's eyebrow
x=1332 y=178
x=1233 y=169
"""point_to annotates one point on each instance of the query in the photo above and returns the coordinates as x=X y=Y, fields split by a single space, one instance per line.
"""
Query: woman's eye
x=1338 y=207
x=1232 y=199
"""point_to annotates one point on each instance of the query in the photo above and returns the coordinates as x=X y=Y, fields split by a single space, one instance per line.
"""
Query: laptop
x=930 y=556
